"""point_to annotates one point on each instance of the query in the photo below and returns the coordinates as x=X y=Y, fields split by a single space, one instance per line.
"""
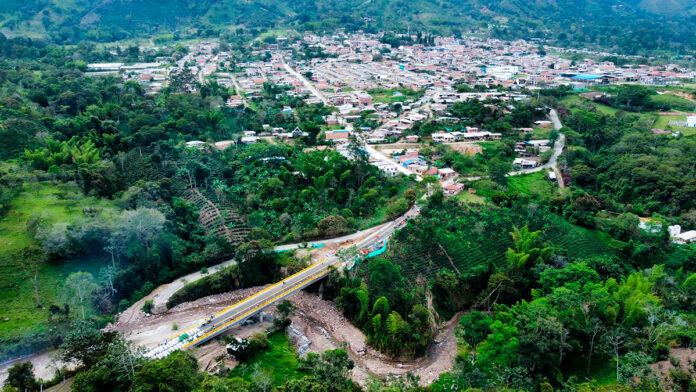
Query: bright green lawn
x=54 y=204
x=570 y=100
x=674 y=102
x=575 y=100
x=469 y=198
x=492 y=147
x=677 y=103
x=387 y=95
x=535 y=184
x=663 y=121
x=540 y=133
x=280 y=358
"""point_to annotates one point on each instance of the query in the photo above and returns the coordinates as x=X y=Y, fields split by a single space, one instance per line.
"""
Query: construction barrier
x=378 y=251
x=371 y=254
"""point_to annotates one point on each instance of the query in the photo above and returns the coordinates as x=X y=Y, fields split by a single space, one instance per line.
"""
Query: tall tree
x=474 y=328
x=21 y=376
x=31 y=259
x=175 y=373
x=81 y=284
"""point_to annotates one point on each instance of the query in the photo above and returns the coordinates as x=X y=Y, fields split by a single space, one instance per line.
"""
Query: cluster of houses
x=360 y=62
x=470 y=134
x=153 y=76
x=417 y=164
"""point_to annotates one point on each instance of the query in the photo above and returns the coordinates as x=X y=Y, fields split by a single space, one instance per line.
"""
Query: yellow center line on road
x=178 y=334
x=193 y=342
x=272 y=286
x=313 y=276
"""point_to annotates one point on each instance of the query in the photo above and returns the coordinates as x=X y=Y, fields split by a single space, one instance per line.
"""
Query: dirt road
x=327 y=329
x=318 y=320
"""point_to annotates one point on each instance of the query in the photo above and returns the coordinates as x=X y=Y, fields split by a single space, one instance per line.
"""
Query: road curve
x=557 y=149
x=216 y=324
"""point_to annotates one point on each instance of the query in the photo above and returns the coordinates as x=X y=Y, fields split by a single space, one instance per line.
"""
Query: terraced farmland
x=219 y=219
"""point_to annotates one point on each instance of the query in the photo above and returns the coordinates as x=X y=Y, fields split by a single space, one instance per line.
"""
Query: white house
x=440 y=137
x=388 y=169
x=195 y=143
x=524 y=163
x=249 y=139
x=686 y=237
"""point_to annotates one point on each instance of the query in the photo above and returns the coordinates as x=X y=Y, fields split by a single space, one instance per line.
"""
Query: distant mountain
x=637 y=26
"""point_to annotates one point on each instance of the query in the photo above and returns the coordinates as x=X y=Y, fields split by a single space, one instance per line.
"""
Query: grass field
x=395 y=95
x=280 y=358
x=491 y=147
x=662 y=122
x=575 y=102
x=540 y=133
x=674 y=102
x=19 y=317
x=535 y=184
x=466 y=197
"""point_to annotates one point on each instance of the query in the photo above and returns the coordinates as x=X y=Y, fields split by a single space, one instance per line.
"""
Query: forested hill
x=637 y=26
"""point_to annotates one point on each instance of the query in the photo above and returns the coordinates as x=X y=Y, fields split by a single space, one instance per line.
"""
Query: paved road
x=239 y=90
x=557 y=150
x=306 y=82
x=381 y=157
x=218 y=323
x=336 y=240
x=160 y=299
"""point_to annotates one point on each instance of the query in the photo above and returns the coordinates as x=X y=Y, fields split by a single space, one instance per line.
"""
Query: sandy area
x=161 y=294
x=319 y=320
x=327 y=329
x=45 y=364
x=148 y=330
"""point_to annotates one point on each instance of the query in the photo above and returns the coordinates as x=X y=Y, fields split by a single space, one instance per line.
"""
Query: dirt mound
x=319 y=320
x=148 y=330
x=684 y=358
x=322 y=323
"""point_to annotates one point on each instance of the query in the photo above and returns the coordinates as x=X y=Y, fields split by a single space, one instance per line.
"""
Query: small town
x=379 y=92
x=348 y=196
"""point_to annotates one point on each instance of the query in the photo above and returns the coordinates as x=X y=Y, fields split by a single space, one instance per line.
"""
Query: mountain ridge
x=618 y=25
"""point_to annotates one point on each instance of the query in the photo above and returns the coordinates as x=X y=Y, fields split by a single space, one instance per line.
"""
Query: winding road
x=557 y=149
x=216 y=324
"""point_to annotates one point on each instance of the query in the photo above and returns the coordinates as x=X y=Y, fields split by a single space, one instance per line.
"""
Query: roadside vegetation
x=101 y=201
x=96 y=189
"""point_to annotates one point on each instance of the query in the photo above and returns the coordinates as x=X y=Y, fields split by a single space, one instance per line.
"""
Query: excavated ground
x=319 y=320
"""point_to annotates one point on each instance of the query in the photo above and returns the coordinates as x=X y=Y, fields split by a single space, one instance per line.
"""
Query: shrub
x=147 y=307
x=661 y=352
x=245 y=349
x=674 y=361
x=220 y=282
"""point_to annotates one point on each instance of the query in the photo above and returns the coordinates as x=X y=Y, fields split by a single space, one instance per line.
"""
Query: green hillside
x=629 y=27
